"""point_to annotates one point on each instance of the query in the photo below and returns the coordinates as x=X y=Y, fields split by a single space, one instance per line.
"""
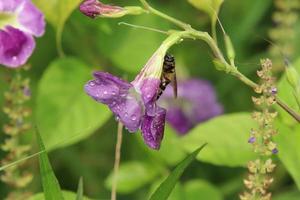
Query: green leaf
x=227 y=137
x=285 y=92
x=132 y=176
x=68 y=195
x=211 y=7
x=65 y=114
x=80 y=190
x=169 y=151
x=129 y=48
x=290 y=195
x=166 y=187
x=200 y=189
x=57 y=13
x=289 y=150
x=50 y=184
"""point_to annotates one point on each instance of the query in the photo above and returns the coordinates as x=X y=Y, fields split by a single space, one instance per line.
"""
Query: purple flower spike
x=94 y=8
x=196 y=103
x=20 y=21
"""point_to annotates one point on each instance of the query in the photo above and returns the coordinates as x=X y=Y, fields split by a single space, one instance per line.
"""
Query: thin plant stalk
x=117 y=162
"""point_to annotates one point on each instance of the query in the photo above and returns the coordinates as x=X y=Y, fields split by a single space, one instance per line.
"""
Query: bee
x=168 y=75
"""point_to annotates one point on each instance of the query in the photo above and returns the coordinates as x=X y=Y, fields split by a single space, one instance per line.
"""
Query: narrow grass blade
x=166 y=187
x=50 y=184
x=80 y=190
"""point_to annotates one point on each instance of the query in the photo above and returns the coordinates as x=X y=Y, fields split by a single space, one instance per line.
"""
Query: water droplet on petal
x=105 y=92
x=14 y=58
x=113 y=93
x=92 y=83
x=133 y=118
x=126 y=114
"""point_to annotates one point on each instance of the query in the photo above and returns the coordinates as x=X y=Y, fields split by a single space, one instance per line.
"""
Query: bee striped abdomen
x=168 y=73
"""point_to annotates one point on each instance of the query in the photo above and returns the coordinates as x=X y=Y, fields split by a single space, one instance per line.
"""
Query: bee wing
x=174 y=84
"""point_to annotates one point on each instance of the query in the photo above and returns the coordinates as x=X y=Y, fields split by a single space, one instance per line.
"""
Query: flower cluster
x=20 y=20
x=134 y=104
x=259 y=180
x=196 y=103
x=17 y=113
x=285 y=18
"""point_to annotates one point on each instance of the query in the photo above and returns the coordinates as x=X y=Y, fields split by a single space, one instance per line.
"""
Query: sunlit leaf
x=285 y=92
x=289 y=150
x=57 y=12
x=64 y=112
x=68 y=195
x=80 y=190
x=227 y=138
x=133 y=175
x=166 y=187
x=199 y=189
x=50 y=184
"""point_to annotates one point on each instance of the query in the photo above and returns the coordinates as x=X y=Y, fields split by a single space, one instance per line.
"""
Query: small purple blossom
x=20 y=21
x=275 y=151
x=196 y=102
x=134 y=104
x=94 y=8
x=274 y=90
x=251 y=140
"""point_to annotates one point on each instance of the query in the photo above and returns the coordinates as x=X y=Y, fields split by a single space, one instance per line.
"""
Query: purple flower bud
x=274 y=90
x=27 y=91
x=275 y=151
x=22 y=20
x=251 y=140
x=94 y=8
x=196 y=103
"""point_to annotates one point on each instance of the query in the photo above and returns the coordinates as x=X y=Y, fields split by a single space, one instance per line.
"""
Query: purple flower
x=134 y=104
x=251 y=140
x=196 y=102
x=94 y=8
x=20 y=20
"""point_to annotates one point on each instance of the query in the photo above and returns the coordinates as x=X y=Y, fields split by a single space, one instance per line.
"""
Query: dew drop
x=133 y=118
x=105 y=92
x=92 y=83
x=126 y=114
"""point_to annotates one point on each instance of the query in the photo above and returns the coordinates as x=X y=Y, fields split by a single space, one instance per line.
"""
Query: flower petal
x=177 y=118
x=15 y=47
x=31 y=19
x=153 y=128
x=129 y=111
x=107 y=88
x=9 y=6
x=196 y=101
x=94 y=8
x=120 y=96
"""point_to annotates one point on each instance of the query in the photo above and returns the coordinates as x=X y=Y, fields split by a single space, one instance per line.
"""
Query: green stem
x=177 y=22
x=193 y=33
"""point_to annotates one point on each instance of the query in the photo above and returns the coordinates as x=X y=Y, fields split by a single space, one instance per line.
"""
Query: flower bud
x=94 y=8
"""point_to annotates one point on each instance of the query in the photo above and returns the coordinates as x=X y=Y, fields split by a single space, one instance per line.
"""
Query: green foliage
x=289 y=149
x=199 y=189
x=290 y=195
x=211 y=7
x=64 y=113
x=50 y=184
x=227 y=138
x=166 y=187
x=80 y=190
x=286 y=93
x=132 y=176
x=68 y=195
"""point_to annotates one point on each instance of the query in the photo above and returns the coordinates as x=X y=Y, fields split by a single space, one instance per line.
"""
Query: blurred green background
x=82 y=133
